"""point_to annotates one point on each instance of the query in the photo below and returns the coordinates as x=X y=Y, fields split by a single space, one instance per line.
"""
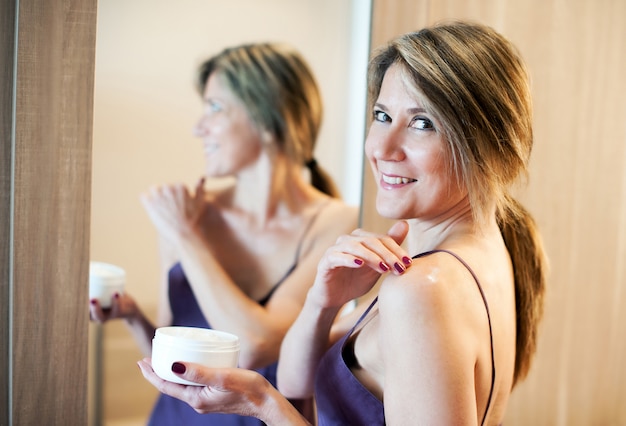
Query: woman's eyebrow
x=412 y=110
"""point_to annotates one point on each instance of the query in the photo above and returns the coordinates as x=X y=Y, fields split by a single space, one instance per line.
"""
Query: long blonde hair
x=475 y=83
x=281 y=95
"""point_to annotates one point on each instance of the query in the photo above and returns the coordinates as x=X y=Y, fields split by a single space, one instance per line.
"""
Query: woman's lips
x=396 y=180
x=209 y=149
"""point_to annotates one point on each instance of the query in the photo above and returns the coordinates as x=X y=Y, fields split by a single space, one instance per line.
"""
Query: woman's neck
x=271 y=189
x=426 y=235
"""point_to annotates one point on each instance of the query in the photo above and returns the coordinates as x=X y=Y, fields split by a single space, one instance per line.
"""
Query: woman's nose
x=384 y=144
x=200 y=128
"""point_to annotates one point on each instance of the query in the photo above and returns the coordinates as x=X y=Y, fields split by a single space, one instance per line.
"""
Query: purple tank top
x=170 y=411
x=342 y=400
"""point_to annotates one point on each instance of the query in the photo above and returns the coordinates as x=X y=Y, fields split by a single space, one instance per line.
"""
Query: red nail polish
x=178 y=368
x=406 y=260
x=398 y=267
x=358 y=262
x=383 y=266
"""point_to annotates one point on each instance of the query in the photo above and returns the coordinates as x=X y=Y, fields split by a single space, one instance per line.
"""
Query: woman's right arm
x=124 y=306
x=139 y=325
x=227 y=390
x=348 y=270
x=303 y=346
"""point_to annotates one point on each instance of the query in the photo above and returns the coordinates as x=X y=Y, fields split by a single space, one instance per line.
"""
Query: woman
x=453 y=327
x=242 y=259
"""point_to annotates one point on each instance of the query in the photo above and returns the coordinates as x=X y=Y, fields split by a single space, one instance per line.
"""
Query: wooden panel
x=48 y=256
x=576 y=53
x=7 y=43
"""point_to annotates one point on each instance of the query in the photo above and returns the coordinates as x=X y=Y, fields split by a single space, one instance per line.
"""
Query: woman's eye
x=381 y=116
x=213 y=106
x=422 y=123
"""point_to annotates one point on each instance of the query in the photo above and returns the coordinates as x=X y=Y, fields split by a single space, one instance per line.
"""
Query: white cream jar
x=212 y=348
x=104 y=281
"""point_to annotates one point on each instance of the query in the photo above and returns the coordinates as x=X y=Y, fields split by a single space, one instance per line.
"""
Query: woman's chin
x=389 y=210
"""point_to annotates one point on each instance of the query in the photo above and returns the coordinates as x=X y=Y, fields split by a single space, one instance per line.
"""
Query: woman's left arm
x=261 y=329
x=427 y=351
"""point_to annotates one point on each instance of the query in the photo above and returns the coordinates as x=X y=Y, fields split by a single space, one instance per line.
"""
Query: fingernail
x=398 y=267
x=178 y=368
x=116 y=295
x=383 y=266
x=358 y=261
x=406 y=260
x=93 y=301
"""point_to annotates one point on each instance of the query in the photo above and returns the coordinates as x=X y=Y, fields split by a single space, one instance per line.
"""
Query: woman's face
x=407 y=153
x=231 y=141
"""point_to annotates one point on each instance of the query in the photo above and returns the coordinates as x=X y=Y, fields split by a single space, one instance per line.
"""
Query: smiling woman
x=148 y=117
x=398 y=115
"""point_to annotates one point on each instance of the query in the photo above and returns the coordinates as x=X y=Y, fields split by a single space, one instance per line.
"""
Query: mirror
x=147 y=52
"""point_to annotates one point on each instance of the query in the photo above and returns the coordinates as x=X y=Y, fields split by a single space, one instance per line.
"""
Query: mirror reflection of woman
x=454 y=324
x=241 y=259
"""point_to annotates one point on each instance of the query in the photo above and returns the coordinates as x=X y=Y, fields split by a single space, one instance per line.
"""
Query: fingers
x=177 y=192
x=399 y=231
x=174 y=202
x=95 y=311
x=99 y=314
x=190 y=373
x=200 y=187
x=196 y=373
x=382 y=253
x=117 y=309
x=225 y=390
x=170 y=388
x=114 y=309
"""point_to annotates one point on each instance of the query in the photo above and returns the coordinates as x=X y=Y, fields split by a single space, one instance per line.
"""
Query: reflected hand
x=173 y=210
x=122 y=306
x=352 y=266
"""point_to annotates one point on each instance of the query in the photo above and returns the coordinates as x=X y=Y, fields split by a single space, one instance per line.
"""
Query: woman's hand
x=173 y=210
x=122 y=306
x=226 y=390
x=352 y=266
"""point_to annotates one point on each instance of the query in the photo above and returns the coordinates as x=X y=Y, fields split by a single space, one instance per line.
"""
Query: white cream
x=212 y=348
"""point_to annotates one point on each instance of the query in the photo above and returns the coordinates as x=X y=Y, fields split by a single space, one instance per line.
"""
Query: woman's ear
x=266 y=137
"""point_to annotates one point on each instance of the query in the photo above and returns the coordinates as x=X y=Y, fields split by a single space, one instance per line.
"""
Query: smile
x=397 y=180
x=208 y=149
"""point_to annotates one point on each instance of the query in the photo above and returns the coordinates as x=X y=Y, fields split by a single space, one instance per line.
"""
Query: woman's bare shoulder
x=434 y=286
x=337 y=218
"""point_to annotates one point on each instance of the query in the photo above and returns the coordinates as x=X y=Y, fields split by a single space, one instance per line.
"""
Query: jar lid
x=106 y=274
x=196 y=337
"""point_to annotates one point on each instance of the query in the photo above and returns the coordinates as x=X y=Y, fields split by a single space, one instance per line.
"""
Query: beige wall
x=576 y=52
x=145 y=107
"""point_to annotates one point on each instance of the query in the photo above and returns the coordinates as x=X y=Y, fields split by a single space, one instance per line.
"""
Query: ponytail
x=321 y=180
x=530 y=266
